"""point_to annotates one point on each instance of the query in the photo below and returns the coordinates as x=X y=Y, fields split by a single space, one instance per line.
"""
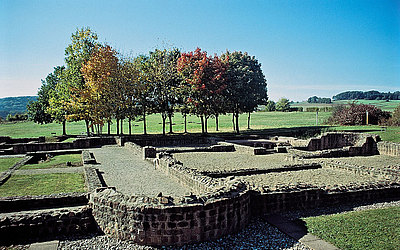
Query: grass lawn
x=6 y=163
x=43 y=184
x=57 y=161
x=369 y=229
x=271 y=122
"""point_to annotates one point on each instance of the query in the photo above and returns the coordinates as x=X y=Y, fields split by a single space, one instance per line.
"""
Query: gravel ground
x=376 y=161
x=131 y=175
x=211 y=161
x=257 y=235
x=316 y=177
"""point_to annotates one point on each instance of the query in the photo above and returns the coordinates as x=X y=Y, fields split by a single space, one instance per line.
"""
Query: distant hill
x=14 y=105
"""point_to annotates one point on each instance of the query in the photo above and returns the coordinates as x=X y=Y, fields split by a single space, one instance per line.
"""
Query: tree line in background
x=368 y=95
x=316 y=99
x=99 y=86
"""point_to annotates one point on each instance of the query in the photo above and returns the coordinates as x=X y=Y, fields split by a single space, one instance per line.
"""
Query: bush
x=395 y=120
x=355 y=114
x=312 y=109
x=17 y=117
x=270 y=106
x=283 y=105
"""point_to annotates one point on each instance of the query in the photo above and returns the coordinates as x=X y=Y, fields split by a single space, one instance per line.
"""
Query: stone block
x=260 y=151
x=149 y=152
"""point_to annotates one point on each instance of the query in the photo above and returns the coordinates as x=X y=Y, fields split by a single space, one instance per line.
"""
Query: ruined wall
x=32 y=226
x=151 y=223
x=389 y=148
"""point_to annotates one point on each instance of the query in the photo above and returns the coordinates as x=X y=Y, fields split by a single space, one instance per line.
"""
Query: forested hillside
x=14 y=105
x=368 y=95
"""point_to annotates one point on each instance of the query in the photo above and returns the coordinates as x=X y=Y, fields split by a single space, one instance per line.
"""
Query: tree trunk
x=87 y=127
x=130 y=126
x=185 y=115
x=170 y=123
x=117 y=126
x=205 y=124
x=92 y=128
x=144 y=122
x=248 y=121
x=64 y=130
x=237 y=123
x=122 y=126
x=216 y=123
x=109 y=128
x=233 y=121
x=202 y=124
x=164 y=117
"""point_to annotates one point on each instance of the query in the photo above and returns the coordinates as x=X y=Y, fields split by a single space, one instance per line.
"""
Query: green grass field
x=369 y=229
x=43 y=184
x=382 y=104
x=271 y=122
x=6 y=163
x=57 y=161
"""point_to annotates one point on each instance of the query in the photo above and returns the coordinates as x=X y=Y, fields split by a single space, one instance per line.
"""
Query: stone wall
x=21 y=203
x=36 y=225
x=389 y=148
x=363 y=144
x=22 y=148
x=151 y=223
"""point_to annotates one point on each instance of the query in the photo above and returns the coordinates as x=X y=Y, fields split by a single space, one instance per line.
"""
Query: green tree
x=270 y=106
x=246 y=84
x=283 y=105
x=83 y=42
x=165 y=80
x=395 y=119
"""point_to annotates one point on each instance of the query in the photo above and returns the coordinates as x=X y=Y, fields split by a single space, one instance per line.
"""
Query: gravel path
x=257 y=235
x=125 y=170
x=49 y=171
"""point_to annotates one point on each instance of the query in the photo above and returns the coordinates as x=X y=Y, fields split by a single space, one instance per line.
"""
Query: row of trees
x=99 y=85
x=316 y=99
x=368 y=95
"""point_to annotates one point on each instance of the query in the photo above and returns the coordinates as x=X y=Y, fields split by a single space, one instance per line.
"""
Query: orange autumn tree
x=100 y=95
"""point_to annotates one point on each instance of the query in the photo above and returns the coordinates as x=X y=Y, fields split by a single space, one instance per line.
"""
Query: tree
x=283 y=105
x=204 y=81
x=246 y=84
x=83 y=42
x=102 y=88
x=165 y=80
x=270 y=106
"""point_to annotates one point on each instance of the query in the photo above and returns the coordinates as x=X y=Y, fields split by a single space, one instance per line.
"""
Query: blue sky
x=305 y=47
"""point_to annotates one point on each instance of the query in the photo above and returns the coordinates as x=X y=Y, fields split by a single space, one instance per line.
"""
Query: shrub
x=312 y=109
x=395 y=120
x=270 y=106
x=355 y=114
x=283 y=105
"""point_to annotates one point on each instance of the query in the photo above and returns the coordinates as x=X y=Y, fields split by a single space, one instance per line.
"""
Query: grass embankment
x=6 y=163
x=43 y=184
x=369 y=229
x=57 y=162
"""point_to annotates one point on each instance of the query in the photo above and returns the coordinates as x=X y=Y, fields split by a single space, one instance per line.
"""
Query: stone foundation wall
x=159 y=225
x=389 y=148
x=22 y=203
x=22 y=148
x=32 y=226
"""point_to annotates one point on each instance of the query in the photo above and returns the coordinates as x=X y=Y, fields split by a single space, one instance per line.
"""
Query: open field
x=370 y=229
x=43 y=184
x=382 y=104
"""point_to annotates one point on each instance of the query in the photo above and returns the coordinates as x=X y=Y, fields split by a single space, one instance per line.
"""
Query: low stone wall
x=22 y=148
x=22 y=203
x=7 y=174
x=134 y=147
x=213 y=148
x=152 y=223
x=180 y=140
x=360 y=144
x=92 y=180
x=280 y=201
x=33 y=226
x=389 y=148
x=185 y=176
